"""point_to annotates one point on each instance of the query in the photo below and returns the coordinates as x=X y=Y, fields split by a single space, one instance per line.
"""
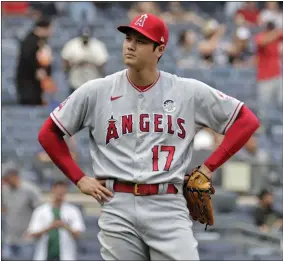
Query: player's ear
x=161 y=49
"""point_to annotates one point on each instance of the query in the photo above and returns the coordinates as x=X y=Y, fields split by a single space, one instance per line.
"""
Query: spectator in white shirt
x=84 y=59
x=272 y=13
x=56 y=226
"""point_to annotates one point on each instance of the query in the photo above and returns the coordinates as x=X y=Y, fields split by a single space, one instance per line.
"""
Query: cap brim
x=125 y=28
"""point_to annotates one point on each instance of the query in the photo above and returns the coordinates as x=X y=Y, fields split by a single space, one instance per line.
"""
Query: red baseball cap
x=150 y=26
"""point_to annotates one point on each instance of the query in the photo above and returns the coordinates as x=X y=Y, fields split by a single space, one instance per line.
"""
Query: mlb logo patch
x=169 y=106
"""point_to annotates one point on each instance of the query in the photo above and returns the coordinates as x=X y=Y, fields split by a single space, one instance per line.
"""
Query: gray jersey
x=144 y=136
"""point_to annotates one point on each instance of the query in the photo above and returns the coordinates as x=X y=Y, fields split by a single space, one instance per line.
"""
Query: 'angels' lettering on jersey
x=155 y=123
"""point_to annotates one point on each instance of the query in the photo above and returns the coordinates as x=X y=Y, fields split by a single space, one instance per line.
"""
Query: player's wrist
x=205 y=170
x=80 y=180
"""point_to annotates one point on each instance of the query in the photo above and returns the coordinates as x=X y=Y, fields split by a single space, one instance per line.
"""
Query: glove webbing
x=201 y=197
x=203 y=211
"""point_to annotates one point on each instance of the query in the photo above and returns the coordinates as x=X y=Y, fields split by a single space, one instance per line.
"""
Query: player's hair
x=155 y=45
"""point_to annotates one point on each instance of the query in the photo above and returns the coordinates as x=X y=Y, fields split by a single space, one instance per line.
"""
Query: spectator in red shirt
x=14 y=8
x=248 y=14
x=269 y=68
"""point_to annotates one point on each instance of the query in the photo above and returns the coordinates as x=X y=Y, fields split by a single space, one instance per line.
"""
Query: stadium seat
x=219 y=247
x=211 y=256
x=88 y=246
x=92 y=257
x=261 y=252
x=237 y=257
x=269 y=257
x=224 y=201
x=91 y=221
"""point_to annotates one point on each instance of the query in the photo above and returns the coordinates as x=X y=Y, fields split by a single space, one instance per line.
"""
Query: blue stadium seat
x=261 y=251
x=88 y=246
x=237 y=257
x=219 y=247
x=92 y=256
x=269 y=257
x=91 y=221
x=224 y=201
x=211 y=256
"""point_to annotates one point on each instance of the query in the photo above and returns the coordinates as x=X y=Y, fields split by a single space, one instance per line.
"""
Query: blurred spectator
x=272 y=13
x=176 y=14
x=56 y=226
x=208 y=139
x=240 y=53
x=186 y=46
x=31 y=72
x=247 y=15
x=42 y=9
x=44 y=58
x=205 y=140
x=143 y=7
x=19 y=199
x=231 y=8
x=269 y=69
x=83 y=12
x=14 y=8
x=266 y=218
x=84 y=59
x=211 y=49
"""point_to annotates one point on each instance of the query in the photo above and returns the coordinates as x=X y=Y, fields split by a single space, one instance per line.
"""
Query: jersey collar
x=145 y=89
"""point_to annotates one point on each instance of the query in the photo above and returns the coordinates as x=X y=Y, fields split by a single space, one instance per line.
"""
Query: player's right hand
x=93 y=187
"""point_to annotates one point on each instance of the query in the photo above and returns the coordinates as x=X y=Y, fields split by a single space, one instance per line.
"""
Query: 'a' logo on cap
x=141 y=20
x=162 y=39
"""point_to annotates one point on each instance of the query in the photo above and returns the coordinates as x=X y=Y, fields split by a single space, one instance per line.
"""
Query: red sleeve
x=236 y=137
x=52 y=140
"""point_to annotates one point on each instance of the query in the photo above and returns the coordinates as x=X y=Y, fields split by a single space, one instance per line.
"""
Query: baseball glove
x=197 y=191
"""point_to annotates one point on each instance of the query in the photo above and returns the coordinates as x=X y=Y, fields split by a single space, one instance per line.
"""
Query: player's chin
x=129 y=62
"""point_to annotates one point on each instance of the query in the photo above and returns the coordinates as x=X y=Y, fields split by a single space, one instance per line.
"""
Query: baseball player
x=141 y=124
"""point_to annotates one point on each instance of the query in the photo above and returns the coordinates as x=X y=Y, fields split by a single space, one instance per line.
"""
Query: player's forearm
x=51 y=139
x=236 y=137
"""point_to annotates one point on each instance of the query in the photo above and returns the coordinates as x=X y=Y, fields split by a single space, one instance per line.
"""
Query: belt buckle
x=136 y=188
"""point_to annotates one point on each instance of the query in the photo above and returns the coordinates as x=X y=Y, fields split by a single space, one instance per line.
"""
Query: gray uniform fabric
x=145 y=137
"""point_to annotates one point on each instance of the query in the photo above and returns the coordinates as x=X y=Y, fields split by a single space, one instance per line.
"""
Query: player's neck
x=143 y=77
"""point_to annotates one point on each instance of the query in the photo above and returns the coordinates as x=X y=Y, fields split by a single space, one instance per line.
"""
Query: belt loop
x=162 y=188
x=109 y=184
x=179 y=187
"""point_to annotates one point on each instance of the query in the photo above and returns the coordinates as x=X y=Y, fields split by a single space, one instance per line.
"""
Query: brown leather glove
x=197 y=191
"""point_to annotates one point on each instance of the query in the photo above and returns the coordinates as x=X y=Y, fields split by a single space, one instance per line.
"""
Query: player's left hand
x=197 y=191
x=94 y=187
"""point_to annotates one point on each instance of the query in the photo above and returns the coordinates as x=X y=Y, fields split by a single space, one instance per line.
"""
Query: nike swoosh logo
x=113 y=98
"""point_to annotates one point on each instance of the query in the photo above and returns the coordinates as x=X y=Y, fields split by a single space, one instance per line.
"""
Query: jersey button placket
x=141 y=97
x=140 y=139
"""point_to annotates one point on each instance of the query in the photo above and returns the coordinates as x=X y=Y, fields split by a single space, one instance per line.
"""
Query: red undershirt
x=51 y=139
